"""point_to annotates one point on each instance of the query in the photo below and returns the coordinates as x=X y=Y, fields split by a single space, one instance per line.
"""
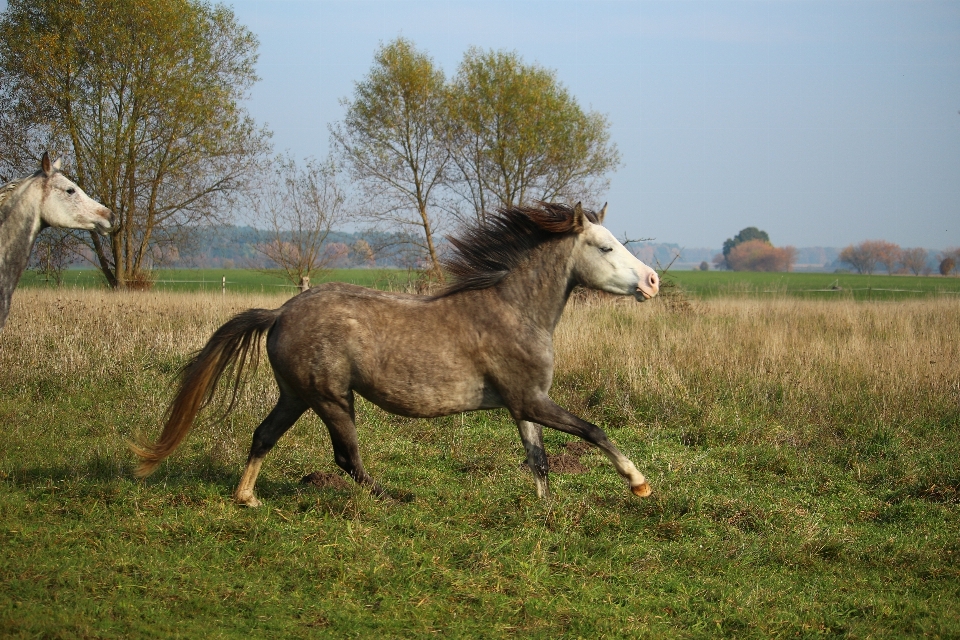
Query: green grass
x=824 y=286
x=771 y=516
x=238 y=280
x=697 y=284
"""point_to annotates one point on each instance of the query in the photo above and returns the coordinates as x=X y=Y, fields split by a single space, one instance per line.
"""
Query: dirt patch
x=327 y=481
x=565 y=463
x=577 y=447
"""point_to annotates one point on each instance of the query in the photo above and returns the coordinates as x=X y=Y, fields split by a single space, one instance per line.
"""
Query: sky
x=824 y=123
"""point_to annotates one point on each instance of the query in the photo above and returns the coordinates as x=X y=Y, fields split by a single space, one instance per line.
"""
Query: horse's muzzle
x=110 y=222
x=648 y=287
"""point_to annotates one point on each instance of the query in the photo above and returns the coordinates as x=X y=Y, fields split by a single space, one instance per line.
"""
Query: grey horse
x=484 y=342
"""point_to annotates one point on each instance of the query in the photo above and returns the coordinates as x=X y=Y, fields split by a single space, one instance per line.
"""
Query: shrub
x=757 y=255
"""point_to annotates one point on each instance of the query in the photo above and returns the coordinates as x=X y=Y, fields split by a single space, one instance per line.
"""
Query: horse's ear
x=57 y=164
x=579 y=219
x=602 y=213
x=45 y=163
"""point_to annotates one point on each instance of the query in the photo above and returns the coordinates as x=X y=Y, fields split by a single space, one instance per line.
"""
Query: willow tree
x=145 y=97
x=517 y=135
x=392 y=143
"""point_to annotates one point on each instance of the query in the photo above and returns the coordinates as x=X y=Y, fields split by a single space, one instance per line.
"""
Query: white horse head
x=602 y=262
x=45 y=199
x=64 y=205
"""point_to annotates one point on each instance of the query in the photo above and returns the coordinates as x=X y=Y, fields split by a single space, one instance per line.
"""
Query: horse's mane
x=484 y=254
x=7 y=189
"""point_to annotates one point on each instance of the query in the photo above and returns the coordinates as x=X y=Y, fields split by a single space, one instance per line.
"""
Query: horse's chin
x=641 y=296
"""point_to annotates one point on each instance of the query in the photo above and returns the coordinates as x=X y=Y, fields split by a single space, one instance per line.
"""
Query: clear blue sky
x=821 y=122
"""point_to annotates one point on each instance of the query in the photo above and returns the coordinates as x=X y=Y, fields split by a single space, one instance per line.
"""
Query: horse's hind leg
x=340 y=418
x=532 y=436
x=284 y=414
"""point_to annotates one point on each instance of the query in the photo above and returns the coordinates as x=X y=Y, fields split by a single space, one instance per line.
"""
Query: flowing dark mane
x=484 y=255
x=7 y=189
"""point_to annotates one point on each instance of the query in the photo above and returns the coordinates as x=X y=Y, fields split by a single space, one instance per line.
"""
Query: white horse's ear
x=579 y=220
x=56 y=165
x=602 y=214
x=45 y=163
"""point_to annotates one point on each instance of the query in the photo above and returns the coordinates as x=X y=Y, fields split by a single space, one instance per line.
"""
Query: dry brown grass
x=802 y=364
x=817 y=350
x=90 y=332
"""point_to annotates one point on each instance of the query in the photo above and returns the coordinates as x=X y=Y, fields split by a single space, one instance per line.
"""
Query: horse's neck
x=539 y=288
x=18 y=229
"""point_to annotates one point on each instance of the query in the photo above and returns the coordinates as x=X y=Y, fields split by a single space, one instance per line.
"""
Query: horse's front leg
x=545 y=411
x=532 y=436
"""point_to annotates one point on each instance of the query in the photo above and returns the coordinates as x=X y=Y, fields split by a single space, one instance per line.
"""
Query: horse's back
x=413 y=355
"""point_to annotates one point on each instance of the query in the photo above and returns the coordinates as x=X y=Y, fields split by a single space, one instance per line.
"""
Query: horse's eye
x=71 y=191
x=606 y=249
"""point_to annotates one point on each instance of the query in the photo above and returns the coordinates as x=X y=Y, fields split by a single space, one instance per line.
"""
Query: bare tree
x=53 y=252
x=914 y=260
x=298 y=207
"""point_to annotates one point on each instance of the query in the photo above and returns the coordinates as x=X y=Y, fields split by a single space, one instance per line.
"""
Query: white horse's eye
x=606 y=249
x=71 y=191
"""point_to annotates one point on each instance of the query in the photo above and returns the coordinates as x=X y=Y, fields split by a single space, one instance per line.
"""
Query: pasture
x=804 y=456
x=695 y=284
x=211 y=280
x=813 y=286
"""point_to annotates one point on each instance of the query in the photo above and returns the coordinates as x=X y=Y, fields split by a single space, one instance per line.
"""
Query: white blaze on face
x=602 y=262
x=65 y=205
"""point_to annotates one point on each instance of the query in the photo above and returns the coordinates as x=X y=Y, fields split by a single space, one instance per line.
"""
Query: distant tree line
x=751 y=250
x=146 y=99
x=869 y=255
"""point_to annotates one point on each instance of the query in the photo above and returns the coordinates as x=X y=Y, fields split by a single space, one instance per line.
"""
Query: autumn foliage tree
x=751 y=250
x=501 y=133
x=392 y=142
x=515 y=135
x=757 y=255
x=745 y=235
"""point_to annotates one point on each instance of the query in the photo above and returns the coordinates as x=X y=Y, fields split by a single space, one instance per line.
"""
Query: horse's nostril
x=654 y=281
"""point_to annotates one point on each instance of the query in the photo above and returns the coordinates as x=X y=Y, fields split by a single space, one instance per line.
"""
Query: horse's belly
x=429 y=398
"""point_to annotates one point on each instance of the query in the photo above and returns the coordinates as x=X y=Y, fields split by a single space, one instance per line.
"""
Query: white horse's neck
x=19 y=226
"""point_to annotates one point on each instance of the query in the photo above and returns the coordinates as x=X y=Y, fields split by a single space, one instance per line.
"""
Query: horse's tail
x=229 y=348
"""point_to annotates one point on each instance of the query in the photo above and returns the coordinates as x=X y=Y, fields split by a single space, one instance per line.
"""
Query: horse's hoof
x=251 y=502
x=642 y=490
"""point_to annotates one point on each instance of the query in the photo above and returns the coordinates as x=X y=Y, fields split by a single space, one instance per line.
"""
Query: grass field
x=804 y=454
x=237 y=280
x=695 y=284
x=813 y=286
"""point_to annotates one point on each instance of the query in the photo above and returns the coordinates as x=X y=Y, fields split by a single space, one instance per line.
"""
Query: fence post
x=304 y=283
x=223 y=286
